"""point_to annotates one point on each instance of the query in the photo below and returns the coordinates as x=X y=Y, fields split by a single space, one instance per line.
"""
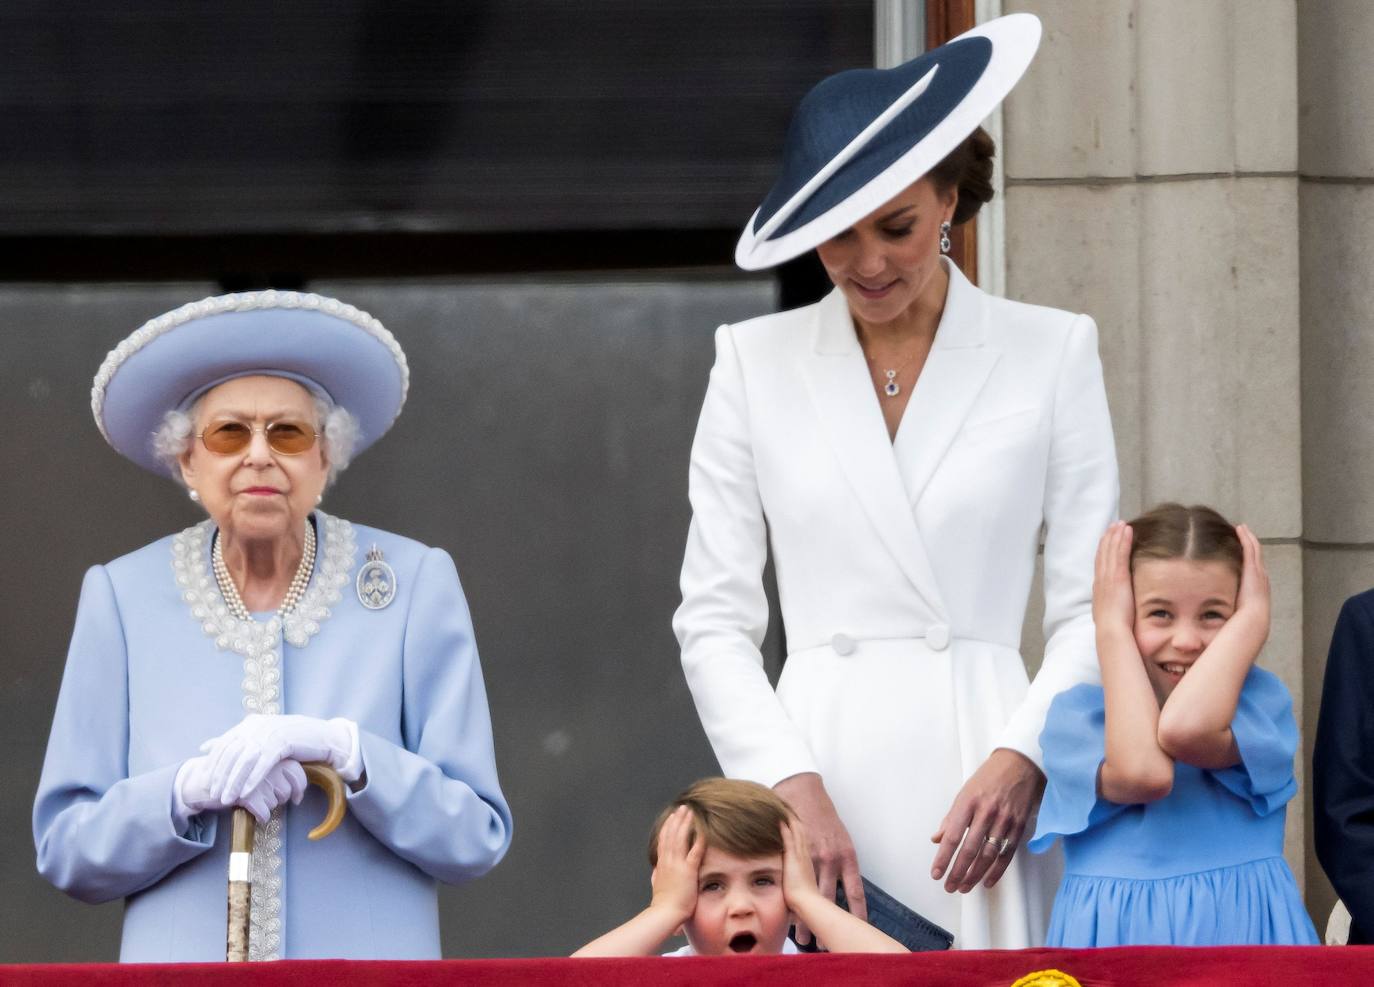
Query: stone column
x=1336 y=144
x=1151 y=156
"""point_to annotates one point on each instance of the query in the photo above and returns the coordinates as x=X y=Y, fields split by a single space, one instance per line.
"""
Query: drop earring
x=944 y=237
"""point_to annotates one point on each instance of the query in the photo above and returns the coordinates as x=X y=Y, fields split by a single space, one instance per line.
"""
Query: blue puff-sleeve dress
x=1202 y=866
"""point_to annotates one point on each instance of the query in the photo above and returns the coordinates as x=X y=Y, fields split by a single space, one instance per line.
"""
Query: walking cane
x=241 y=855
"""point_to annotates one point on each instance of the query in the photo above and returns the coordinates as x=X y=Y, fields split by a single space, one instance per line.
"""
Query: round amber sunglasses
x=289 y=438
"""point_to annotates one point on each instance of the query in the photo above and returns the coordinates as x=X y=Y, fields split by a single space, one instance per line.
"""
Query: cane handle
x=323 y=776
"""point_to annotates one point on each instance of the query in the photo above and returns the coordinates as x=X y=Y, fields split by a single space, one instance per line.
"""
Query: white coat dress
x=903 y=570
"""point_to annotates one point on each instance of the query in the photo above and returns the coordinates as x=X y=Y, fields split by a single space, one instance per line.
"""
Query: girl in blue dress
x=1168 y=783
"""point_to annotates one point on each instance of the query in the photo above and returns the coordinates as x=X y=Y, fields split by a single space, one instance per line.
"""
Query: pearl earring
x=193 y=495
x=944 y=237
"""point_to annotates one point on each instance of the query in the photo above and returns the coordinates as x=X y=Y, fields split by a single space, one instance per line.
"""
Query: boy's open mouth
x=742 y=942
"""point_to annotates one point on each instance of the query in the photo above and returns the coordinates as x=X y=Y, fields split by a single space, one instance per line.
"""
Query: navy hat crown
x=859 y=137
x=838 y=109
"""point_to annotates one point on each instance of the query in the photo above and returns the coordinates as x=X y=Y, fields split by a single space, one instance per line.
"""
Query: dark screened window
x=454 y=117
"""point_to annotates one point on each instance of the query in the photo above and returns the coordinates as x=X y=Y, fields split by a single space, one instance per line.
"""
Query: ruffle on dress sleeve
x=1074 y=742
x=1267 y=736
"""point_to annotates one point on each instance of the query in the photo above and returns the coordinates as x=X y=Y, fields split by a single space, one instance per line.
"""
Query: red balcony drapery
x=1123 y=967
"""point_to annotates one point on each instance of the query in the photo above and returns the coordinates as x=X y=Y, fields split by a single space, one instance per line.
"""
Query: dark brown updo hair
x=1172 y=531
x=967 y=168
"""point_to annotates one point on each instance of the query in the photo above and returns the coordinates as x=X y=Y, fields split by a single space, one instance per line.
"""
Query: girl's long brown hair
x=1172 y=531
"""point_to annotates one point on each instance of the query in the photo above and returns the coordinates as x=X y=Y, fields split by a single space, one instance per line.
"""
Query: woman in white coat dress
x=899 y=445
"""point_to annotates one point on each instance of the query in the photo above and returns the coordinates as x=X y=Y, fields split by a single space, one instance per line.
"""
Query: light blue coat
x=147 y=680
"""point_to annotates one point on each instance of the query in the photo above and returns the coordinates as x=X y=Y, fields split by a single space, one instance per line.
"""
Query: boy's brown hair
x=1198 y=533
x=741 y=818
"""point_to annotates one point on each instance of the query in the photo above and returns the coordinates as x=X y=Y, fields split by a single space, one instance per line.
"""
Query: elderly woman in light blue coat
x=205 y=667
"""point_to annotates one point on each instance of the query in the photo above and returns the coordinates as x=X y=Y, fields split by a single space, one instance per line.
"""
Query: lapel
x=839 y=386
x=954 y=374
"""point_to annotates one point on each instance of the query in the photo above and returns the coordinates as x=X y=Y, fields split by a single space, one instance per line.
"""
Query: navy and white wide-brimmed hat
x=860 y=137
x=333 y=349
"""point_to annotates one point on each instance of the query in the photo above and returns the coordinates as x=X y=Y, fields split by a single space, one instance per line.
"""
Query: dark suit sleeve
x=1343 y=764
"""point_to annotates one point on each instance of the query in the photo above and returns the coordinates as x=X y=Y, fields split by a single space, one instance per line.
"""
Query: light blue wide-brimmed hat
x=860 y=137
x=331 y=348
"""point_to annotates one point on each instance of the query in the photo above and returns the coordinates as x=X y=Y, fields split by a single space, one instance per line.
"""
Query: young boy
x=731 y=870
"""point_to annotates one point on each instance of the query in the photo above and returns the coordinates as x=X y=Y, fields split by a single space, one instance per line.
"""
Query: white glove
x=241 y=757
x=191 y=790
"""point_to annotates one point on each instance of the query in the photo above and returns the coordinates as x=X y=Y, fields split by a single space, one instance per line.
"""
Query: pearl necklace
x=299 y=581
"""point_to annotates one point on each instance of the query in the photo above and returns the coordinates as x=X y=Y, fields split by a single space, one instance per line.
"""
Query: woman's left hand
x=241 y=757
x=996 y=802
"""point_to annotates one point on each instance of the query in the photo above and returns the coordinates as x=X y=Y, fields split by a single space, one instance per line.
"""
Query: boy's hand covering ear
x=798 y=875
x=679 y=864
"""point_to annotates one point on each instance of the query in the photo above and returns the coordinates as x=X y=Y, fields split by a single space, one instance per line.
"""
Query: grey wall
x=545 y=446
